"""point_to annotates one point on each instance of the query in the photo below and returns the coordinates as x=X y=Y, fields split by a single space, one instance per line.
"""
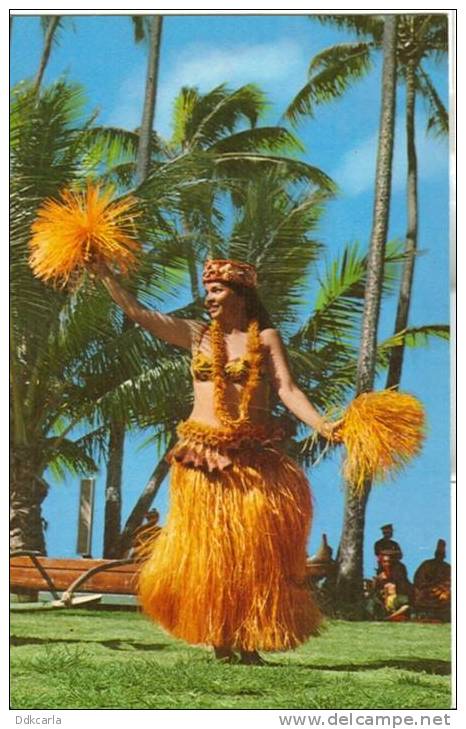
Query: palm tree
x=45 y=153
x=350 y=553
x=333 y=70
x=418 y=37
x=147 y=123
x=150 y=28
x=50 y=25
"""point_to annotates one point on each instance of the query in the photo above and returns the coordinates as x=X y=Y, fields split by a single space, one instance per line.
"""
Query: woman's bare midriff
x=204 y=410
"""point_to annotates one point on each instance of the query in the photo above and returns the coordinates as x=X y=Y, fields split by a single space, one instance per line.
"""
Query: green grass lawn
x=89 y=659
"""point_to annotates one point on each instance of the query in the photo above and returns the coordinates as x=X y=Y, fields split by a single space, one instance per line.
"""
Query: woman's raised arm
x=171 y=329
x=288 y=391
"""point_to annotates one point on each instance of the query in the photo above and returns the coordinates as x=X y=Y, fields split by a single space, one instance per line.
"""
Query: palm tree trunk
x=191 y=261
x=193 y=275
x=144 y=502
x=350 y=552
x=404 y=299
x=113 y=486
x=27 y=492
x=112 y=519
x=117 y=432
x=51 y=28
x=145 y=133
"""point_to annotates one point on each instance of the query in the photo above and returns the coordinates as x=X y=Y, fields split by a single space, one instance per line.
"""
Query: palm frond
x=362 y=25
x=183 y=110
x=412 y=337
x=340 y=298
x=432 y=35
x=141 y=27
x=221 y=110
x=438 y=121
x=156 y=393
x=110 y=145
x=331 y=73
x=244 y=164
x=276 y=139
x=47 y=20
x=69 y=457
x=274 y=230
x=121 y=175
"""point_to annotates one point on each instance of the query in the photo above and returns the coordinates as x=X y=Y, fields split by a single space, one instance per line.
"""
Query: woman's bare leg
x=224 y=654
x=252 y=658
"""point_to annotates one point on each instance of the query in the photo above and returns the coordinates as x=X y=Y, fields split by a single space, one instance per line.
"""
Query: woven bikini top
x=236 y=370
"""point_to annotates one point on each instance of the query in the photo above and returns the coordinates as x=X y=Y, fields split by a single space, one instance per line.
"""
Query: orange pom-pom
x=82 y=226
x=381 y=431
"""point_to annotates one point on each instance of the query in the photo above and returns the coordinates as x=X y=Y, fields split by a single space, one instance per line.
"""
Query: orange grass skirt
x=228 y=568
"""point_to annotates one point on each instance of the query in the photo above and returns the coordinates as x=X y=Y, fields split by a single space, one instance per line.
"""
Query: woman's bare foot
x=252 y=658
x=224 y=654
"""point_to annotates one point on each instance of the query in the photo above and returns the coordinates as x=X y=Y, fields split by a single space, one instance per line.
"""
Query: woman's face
x=221 y=301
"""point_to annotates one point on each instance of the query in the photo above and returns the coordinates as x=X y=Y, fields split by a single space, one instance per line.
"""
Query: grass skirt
x=228 y=569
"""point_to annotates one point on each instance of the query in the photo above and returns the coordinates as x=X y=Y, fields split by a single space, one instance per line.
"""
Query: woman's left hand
x=332 y=431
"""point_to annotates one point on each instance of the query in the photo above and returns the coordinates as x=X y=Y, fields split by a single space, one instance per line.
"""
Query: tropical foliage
x=333 y=71
x=420 y=40
x=46 y=150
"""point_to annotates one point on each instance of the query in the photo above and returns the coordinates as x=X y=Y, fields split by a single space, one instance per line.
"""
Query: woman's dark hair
x=255 y=309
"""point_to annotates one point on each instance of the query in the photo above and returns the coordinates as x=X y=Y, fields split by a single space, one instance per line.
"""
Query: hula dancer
x=228 y=569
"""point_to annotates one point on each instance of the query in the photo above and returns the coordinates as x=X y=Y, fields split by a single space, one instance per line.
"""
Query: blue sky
x=274 y=52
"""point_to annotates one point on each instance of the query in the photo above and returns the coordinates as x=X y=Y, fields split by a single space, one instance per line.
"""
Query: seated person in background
x=374 y=607
x=390 y=597
x=393 y=602
x=391 y=584
x=432 y=581
x=387 y=544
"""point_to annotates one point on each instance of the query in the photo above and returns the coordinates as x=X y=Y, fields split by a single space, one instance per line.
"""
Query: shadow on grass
x=417 y=665
x=116 y=645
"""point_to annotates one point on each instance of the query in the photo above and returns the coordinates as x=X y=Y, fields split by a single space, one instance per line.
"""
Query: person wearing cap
x=228 y=569
x=387 y=545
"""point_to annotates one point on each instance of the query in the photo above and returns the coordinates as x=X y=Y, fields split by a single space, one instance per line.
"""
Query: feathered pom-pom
x=381 y=431
x=82 y=226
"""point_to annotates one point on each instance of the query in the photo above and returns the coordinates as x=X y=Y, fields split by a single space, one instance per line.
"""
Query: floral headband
x=229 y=271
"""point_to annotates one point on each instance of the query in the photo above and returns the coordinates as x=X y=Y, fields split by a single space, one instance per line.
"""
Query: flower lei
x=219 y=360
